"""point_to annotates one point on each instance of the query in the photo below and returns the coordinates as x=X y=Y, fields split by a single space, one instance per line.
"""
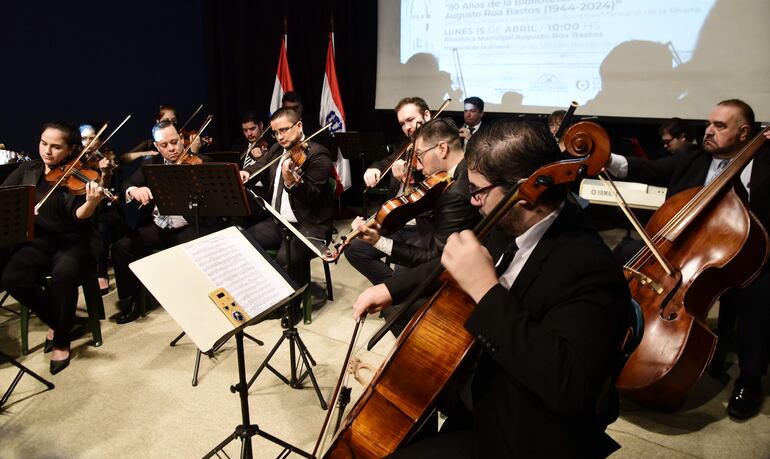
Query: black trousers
x=65 y=259
x=369 y=261
x=139 y=243
x=107 y=227
x=269 y=235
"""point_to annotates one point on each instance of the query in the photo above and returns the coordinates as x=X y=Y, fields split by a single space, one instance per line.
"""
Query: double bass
x=704 y=241
x=410 y=379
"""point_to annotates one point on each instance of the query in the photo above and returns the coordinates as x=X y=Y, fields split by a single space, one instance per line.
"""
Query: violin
x=435 y=342
x=187 y=157
x=75 y=176
x=396 y=212
x=188 y=137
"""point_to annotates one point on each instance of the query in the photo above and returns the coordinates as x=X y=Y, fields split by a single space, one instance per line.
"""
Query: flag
x=332 y=112
x=283 y=82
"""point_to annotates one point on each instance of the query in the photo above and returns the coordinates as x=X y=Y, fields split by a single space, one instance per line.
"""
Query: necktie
x=472 y=130
x=506 y=259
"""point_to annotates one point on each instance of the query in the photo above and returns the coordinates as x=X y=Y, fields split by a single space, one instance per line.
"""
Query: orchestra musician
x=306 y=201
x=60 y=245
x=147 y=147
x=153 y=231
x=555 y=119
x=676 y=135
x=550 y=314
x=437 y=148
x=411 y=112
x=252 y=148
x=730 y=126
x=107 y=221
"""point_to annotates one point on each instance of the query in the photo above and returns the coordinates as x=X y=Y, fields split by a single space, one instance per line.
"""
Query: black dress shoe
x=47 y=346
x=128 y=316
x=745 y=402
x=59 y=365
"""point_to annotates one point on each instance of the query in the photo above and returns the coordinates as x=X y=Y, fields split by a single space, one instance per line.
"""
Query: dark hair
x=556 y=117
x=249 y=116
x=163 y=124
x=418 y=101
x=746 y=111
x=292 y=96
x=285 y=112
x=71 y=133
x=440 y=129
x=677 y=127
x=476 y=102
x=510 y=150
x=164 y=108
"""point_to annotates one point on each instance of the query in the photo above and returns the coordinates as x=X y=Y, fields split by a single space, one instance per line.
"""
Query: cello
x=704 y=241
x=410 y=379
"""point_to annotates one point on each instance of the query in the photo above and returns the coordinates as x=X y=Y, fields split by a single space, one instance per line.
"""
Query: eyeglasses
x=421 y=153
x=477 y=193
x=665 y=141
x=282 y=131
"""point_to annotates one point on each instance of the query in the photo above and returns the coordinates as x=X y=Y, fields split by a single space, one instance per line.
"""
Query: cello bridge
x=646 y=280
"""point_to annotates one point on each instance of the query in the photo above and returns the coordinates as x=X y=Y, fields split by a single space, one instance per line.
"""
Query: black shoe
x=59 y=365
x=746 y=400
x=47 y=346
x=128 y=316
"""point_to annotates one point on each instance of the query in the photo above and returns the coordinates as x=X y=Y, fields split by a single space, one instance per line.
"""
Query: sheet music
x=291 y=227
x=233 y=264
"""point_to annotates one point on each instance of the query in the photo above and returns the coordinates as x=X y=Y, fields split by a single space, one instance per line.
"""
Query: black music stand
x=6 y=169
x=290 y=332
x=206 y=190
x=17 y=226
x=229 y=156
x=246 y=430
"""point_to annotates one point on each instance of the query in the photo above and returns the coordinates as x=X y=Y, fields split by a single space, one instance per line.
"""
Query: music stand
x=291 y=333
x=221 y=266
x=17 y=226
x=206 y=190
x=6 y=169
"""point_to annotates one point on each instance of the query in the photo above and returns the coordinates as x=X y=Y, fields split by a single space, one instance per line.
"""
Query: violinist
x=60 y=246
x=153 y=231
x=252 y=146
x=107 y=221
x=411 y=112
x=437 y=148
x=304 y=197
x=147 y=147
x=730 y=126
x=549 y=317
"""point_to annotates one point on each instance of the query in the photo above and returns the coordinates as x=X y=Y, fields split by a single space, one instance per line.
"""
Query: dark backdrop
x=88 y=61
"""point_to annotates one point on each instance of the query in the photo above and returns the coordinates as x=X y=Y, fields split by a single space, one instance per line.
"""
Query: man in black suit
x=307 y=203
x=730 y=126
x=437 y=148
x=549 y=315
x=473 y=111
x=153 y=231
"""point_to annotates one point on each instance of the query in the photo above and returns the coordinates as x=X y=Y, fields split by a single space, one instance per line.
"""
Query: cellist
x=549 y=317
x=729 y=128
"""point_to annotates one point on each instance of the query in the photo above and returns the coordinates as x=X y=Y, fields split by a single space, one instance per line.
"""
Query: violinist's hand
x=767 y=134
x=371 y=177
x=465 y=133
x=244 y=176
x=141 y=194
x=371 y=300
x=287 y=171
x=370 y=235
x=399 y=169
x=470 y=264
x=196 y=145
x=104 y=164
x=94 y=193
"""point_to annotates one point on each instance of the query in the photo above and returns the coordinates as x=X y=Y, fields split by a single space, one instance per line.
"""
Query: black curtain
x=243 y=42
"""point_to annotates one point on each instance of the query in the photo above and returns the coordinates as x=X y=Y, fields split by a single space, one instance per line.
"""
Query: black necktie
x=506 y=259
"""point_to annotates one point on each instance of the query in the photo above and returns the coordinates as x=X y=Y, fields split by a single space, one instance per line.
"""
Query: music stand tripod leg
x=246 y=430
x=22 y=370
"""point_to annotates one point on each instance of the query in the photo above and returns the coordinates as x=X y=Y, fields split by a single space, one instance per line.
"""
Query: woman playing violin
x=549 y=315
x=59 y=248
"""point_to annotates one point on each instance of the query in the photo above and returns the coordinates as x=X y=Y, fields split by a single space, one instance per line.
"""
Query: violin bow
x=255 y=143
x=200 y=107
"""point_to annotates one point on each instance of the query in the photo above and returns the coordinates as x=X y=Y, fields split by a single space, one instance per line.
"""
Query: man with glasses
x=677 y=136
x=437 y=148
x=549 y=315
x=303 y=196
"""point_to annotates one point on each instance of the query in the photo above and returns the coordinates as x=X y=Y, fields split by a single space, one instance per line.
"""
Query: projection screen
x=630 y=58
